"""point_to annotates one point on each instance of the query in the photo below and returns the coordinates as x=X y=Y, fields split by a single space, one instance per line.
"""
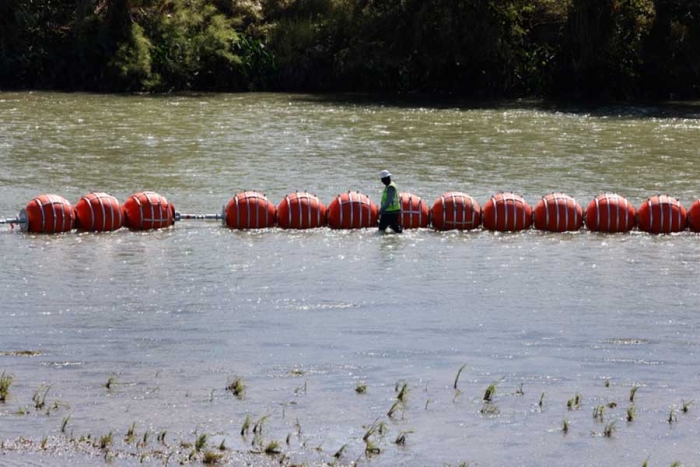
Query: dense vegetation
x=482 y=48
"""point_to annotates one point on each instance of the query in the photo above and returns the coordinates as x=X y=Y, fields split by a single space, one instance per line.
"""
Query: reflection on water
x=304 y=317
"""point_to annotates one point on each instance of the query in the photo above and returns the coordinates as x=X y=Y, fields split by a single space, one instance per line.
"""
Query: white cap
x=384 y=174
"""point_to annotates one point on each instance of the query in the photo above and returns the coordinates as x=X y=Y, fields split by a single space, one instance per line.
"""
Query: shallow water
x=304 y=317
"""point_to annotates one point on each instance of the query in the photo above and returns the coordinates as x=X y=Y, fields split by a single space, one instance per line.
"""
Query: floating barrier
x=611 y=213
x=415 y=214
x=694 y=216
x=557 y=212
x=504 y=212
x=507 y=212
x=301 y=211
x=148 y=210
x=47 y=214
x=352 y=211
x=98 y=212
x=662 y=214
x=456 y=211
x=249 y=210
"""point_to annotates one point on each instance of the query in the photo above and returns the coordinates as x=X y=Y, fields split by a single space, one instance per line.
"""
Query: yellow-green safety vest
x=396 y=202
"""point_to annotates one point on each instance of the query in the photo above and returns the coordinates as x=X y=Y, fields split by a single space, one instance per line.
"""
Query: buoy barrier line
x=49 y=214
x=662 y=214
x=301 y=211
x=415 y=213
x=347 y=211
x=456 y=210
x=214 y=217
x=548 y=215
x=258 y=213
x=605 y=214
x=506 y=212
x=98 y=212
x=148 y=210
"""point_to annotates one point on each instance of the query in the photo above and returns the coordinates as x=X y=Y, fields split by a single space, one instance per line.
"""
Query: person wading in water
x=390 y=210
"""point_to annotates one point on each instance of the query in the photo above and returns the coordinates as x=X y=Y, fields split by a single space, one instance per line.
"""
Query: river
x=146 y=330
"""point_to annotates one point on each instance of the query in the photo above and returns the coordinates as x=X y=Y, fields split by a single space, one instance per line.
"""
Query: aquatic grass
x=245 y=428
x=565 y=426
x=211 y=458
x=236 y=386
x=401 y=438
x=403 y=393
x=38 y=398
x=394 y=407
x=144 y=439
x=130 y=434
x=599 y=413
x=490 y=391
x=5 y=383
x=361 y=388
x=686 y=406
x=541 y=401
x=672 y=416
x=631 y=413
x=272 y=448
x=258 y=426
x=222 y=445
x=633 y=392
x=161 y=436
x=459 y=372
x=201 y=442
x=606 y=383
x=106 y=440
x=64 y=423
x=371 y=449
x=610 y=429
x=519 y=391
x=489 y=409
x=111 y=381
x=339 y=453
x=574 y=403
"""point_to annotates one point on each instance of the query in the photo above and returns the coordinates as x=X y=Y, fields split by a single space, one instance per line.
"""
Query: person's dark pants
x=390 y=219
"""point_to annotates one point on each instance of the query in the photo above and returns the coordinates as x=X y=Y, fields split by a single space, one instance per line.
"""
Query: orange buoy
x=662 y=214
x=301 y=211
x=98 y=212
x=249 y=210
x=456 y=211
x=48 y=214
x=507 y=212
x=148 y=210
x=610 y=212
x=557 y=212
x=352 y=211
x=694 y=216
x=414 y=212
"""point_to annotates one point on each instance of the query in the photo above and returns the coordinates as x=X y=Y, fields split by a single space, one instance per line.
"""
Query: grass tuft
x=211 y=457
x=631 y=413
x=236 y=387
x=106 y=440
x=245 y=428
x=39 y=398
x=5 y=383
x=686 y=406
x=609 y=429
x=633 y=392
x=201 y=442
x=459 y=372
x=272 y=448
x=361 y=388
x=565 y=426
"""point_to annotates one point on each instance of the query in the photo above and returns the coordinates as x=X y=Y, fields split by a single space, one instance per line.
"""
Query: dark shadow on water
x=640 y=110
